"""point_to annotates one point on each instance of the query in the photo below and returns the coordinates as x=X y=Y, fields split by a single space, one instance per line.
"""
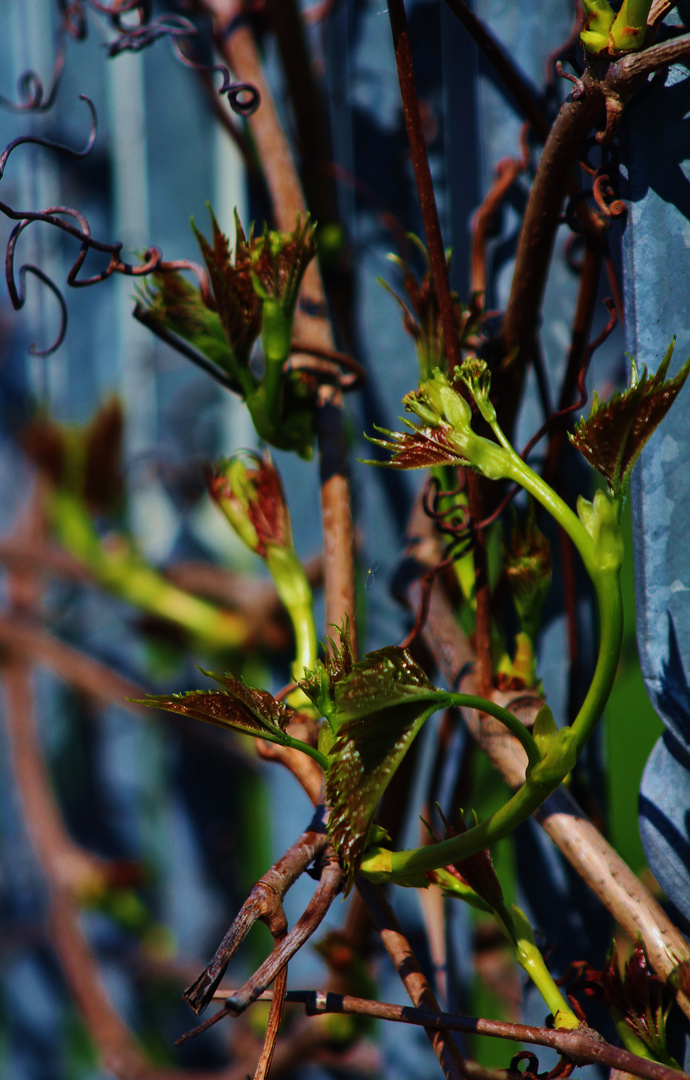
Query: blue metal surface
x=656 y=150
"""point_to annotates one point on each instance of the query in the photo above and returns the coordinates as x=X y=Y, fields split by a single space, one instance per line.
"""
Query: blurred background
x=190 y=816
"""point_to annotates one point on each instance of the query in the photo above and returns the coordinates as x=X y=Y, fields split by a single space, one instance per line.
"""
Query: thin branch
x=439 y=273
x=505 y=175
x=542 y=214
x=303 y=768
x=638 y=65
x=582 y=1046
x=330 y=884
x=422 y=173
x=400 y=951
x=261 y=903
x=278 y=927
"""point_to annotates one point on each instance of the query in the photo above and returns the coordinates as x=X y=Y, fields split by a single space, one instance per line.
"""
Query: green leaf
x=381 y=705
x=172 y=302
x=239 y=307
x=319 y=684
x=420 y=448
x=236 y=705
x=615 y=432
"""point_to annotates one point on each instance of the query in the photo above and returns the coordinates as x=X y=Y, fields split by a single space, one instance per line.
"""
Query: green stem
x=294 y=590
x=123 y=572
x=381 y=864
x=610 y=602
x=310 y=751
x=515 y=726
x=517 y=929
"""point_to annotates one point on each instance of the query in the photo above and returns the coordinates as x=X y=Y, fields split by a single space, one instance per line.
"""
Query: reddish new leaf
x=615 y=432
x=420 y=448
x=238 y=706
x=381 y=705
x=319 y=684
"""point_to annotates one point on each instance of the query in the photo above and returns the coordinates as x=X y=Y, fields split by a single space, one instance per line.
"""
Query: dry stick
x=278 y=927
x=332 y=877
x=535 y=245
x=582 y=1046
x=261 y=903
x=307 y=100
x=439 y=273
x=88 y=676
x=575 y=120
x=603 y=870
x=239 y=50
x=330 y=884
x=70 y=871
x=66 y=864
x=416 y=984
x=506 y=173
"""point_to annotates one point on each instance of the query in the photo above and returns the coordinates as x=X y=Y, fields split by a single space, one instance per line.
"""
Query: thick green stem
x=515 y=726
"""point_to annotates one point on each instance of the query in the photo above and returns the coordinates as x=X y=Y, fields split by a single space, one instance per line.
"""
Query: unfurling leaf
x=248 y=490
x=320 y=683
x=421 y=313
x=445 y=437
x=420 y=448
x=381 y=705
x=84 y=462
x=477 y=871
x=615 y=432
x=527 y=562
x=236 y=705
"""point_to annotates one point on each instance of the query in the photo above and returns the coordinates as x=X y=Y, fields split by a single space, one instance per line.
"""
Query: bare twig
x=414 y=980
x=582 y=1046
x=507 y=172
x=329 y=886
x=303 y=768
x=439 y=273
x=261 y=903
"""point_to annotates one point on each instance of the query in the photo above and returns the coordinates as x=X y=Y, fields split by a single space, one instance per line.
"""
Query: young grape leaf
x=381 y=705
x=615 y=432
x=420 y=448
x=319 y=684
x=238 y=706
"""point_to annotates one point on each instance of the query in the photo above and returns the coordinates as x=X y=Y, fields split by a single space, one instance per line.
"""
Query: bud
x=248 y=490
x=422 y=317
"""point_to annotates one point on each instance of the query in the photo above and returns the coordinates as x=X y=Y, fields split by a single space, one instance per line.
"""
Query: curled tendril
x=81 y=231
x=602 y=191
x=452 y=521
x=62 y=148
x=31 y=92
x=19 y=299
x=244 y=98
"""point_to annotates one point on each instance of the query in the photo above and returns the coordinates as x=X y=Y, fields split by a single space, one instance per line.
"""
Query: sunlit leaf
x=420 y=448
x=613 y=435
x=236 y=705
x=320 y=683
x=381 y=705
x=239 y=307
